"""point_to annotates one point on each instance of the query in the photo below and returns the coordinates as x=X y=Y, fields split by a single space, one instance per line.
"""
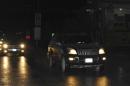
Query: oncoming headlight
x=22 y=45
x=72 y=51
x=101 y=51
x=5 y=45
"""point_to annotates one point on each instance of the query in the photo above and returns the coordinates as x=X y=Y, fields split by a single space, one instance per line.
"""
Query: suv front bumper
x=86 y=61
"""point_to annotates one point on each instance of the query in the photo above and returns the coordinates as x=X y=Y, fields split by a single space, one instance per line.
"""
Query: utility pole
x=37 y=28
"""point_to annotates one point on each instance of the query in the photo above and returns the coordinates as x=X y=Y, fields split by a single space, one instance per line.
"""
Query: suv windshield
x=74 y=37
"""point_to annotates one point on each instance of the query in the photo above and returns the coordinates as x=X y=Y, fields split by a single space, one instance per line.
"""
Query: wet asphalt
x=16 y=71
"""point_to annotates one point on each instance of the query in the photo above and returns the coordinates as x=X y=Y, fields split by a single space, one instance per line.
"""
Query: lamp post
x=37 y=28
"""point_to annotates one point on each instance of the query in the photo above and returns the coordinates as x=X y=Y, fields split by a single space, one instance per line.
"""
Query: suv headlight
x=22 y=45
x=101 y=51
x=5 y=46
x=72 y=51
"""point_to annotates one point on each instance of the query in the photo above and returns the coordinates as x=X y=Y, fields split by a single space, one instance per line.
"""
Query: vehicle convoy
x=75 y=50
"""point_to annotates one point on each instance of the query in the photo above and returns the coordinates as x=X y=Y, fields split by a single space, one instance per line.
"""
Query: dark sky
x=15 y=14
x=19 y=14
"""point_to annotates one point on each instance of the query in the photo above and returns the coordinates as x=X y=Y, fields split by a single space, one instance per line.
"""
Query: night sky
x=15 y=14
x=19 y=14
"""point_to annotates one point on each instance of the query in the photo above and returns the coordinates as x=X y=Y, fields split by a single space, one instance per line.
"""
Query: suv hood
x=82 y=45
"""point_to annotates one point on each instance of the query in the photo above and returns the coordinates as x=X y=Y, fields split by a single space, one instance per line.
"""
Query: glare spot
x=5 y=62
x=5 y=70
x=102 y=81
x=53 y=34
x=23 y=67
x=72 y=81
x=120 y=9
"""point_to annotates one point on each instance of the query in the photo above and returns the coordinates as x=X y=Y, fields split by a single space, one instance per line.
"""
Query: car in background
x=2 y=41
x=18 y=49
x=1 y=46
x=15 y=44
x=75 y=50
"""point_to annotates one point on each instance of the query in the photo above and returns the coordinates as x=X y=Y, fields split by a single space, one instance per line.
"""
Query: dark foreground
x=15 y=71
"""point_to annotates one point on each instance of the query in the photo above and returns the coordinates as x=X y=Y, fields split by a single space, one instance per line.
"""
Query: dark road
x=57 y=35
x=15 y=71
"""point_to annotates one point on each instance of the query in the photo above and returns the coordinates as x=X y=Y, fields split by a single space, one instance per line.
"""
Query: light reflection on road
x=13 y=71
x=5 y=70
x=72 y=81
x=23 y=67
x=102 y=81
x=5 y=64
x=87 y=81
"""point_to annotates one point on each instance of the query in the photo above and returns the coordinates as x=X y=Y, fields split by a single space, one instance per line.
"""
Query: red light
x=28 y=37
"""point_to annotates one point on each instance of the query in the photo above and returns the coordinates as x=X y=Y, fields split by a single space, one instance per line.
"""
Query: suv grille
x=87 y=52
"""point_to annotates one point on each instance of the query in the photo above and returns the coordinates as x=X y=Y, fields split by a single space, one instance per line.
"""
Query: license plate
x=88 y=60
